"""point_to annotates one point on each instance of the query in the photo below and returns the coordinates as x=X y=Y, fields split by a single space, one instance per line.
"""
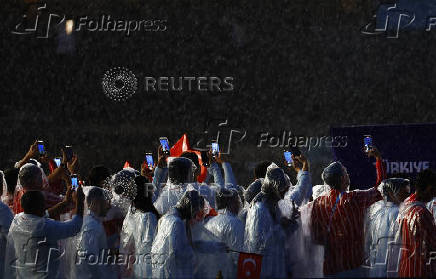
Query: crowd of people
x=165 y=221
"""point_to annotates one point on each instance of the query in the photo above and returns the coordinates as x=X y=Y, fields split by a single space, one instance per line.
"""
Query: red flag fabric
x=249 y=266
x=126 y=165
x=181 y=146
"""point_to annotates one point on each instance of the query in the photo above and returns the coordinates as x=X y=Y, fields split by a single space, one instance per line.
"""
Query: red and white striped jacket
x=337 y=222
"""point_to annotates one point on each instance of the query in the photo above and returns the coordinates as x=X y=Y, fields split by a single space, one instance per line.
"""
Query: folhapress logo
x=42 y=24
x=391 y=19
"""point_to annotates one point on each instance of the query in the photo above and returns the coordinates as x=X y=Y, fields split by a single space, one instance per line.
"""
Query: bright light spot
x=69 y=26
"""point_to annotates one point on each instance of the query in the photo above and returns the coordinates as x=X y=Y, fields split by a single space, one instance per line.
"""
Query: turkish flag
x=181 y=146
x=249 y=266
x=126 y=165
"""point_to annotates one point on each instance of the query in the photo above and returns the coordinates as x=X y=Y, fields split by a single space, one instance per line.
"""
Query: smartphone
x=165 y=145
x=149 y=160
x=288 y=157
x=69 y=152
x=57 y=161
x=74 y=182
x=215 y=148
x=41 y=148
x=367 y=143
x=204 y=159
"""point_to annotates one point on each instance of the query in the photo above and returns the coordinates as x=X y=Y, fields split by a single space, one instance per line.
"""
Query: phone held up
x=165 y=145
x=367 y=143
x=149 y=160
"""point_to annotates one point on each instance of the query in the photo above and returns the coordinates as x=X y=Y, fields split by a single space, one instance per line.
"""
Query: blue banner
x=406 y=149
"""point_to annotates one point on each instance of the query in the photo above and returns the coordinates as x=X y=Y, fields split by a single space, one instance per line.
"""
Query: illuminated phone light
x=69 y=24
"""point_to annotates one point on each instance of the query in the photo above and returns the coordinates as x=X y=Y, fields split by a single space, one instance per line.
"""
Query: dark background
x=300 y=66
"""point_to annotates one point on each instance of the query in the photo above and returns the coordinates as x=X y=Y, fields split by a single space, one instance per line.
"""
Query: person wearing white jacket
x=226 y=227
x=381 y=224
x=266 y=229
x=173 y=248
x=139 y=231
x=33 y=250
x=91 y=258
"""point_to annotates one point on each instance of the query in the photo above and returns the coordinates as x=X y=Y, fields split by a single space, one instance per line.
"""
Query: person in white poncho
x=33 y=249
x=381 y=224
x=92 y=246
x=139 y=231
x=266 y=229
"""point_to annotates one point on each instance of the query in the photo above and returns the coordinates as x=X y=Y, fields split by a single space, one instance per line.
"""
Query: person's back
x=337 y=221
x=381 y=225
x=180 y=174
x=418 y=241
x=6 y=218
x=226 y=227
x=342 y=233
x=33 y=239
x=381 y=230
x=139 y=230
x=264 y=233
x=28 y=235
x=171 y=252
x=418 y=230
x=91 y=243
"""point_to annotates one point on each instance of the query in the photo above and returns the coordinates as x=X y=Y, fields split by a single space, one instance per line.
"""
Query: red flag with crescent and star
x=249 y=266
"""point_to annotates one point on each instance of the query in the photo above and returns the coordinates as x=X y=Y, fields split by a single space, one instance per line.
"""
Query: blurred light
x=69 y=26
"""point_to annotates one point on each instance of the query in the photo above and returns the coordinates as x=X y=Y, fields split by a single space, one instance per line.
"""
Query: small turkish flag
x=249 y=266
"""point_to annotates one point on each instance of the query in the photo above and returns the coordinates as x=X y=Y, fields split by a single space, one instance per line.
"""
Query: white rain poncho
x=6 y=217
x=263 y=232
x=380 y=230
x=91 y=250
x=174 y=191
x=381 y=226
x=229 y=229
x=306 y=256
x=432 y=207
x=320 y=190
x=172 y=254
x=33 y=250
x=137 y=235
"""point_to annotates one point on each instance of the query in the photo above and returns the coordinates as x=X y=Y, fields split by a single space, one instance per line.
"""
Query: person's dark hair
x=98 y=174
x=144 y=196
x=95 y=194
x=11 y=177
x=332 y=175
x=192 y=156
x=179 y=170
x=425 y=179
x=33 y=202
x=189 y=204
x=30 y=176
x=260 y=169
x=225 y=198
